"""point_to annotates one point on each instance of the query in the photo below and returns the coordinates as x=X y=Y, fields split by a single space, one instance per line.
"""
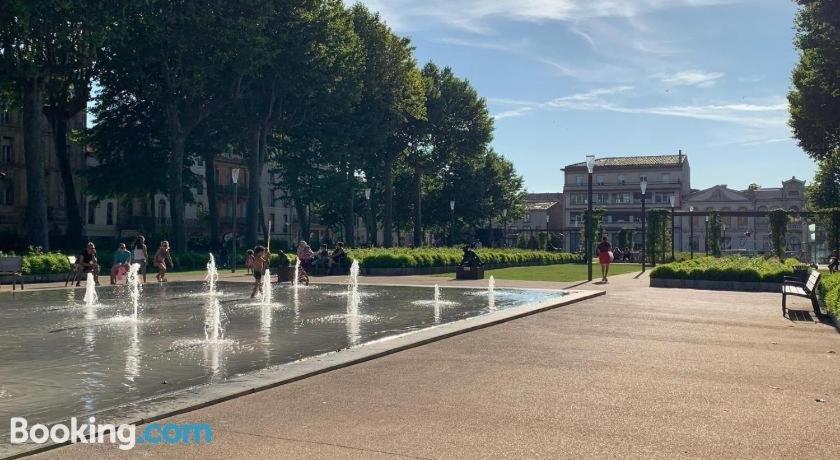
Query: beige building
x=743 y=233
x=616 y=187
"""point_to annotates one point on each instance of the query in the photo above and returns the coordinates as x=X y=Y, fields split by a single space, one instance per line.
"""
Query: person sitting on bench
x=339 y=258
x=87 y=263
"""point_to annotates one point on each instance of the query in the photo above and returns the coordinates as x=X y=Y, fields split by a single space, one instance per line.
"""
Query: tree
x=49 y=45
x=188 y=58
x=815 y=97
x=392 y=98
x=779 y=219
x=824 y=191
x=457 y=125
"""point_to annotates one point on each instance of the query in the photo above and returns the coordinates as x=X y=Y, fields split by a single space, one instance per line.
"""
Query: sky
x=567 y=78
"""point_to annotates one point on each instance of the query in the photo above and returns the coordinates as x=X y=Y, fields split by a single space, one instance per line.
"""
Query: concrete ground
x=640 y=372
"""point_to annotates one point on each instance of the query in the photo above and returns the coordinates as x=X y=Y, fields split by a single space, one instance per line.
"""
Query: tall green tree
x=47 y=48
x=392 y=100
x=815 y=97
x=187 y=57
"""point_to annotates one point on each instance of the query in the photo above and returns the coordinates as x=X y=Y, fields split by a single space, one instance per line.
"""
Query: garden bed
x=727 y=273
x=829 y=293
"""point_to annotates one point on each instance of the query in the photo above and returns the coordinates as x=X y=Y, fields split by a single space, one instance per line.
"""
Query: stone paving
x=639 y=372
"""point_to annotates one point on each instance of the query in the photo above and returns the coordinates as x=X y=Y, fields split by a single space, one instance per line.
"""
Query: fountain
x=491 y=293
x=213 y=310
x=91 y=298
x=266 y=287
x=134 y=287
x=353 y=299
x=437 y=304
x=295 y=280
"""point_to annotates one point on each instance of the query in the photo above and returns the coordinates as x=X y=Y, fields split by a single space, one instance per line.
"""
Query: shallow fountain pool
x=61 y=358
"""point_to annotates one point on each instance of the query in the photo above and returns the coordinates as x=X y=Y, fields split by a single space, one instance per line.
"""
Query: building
x=745 y=233
x=13 y=193
x=616 y=188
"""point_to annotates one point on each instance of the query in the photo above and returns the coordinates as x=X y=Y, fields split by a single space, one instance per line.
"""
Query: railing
x=595 y=183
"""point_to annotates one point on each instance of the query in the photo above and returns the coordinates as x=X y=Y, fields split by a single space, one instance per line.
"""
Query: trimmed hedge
x=441 y=257
x=829 y=292
x=45 y=263
x=745 y=269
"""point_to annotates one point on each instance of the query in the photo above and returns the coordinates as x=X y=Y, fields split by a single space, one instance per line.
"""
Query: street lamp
x=234 y=176
x=643 y=185
x=723 y=236
x=590 y=166
x=672 y=199
x=451 y=221
x=504 y=221
x=370 y=226
x=691 y=230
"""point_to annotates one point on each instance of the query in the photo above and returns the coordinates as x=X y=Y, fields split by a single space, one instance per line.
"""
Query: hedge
x=750 y=269
x=829 y=292
x=441 y=257
x=45 y=263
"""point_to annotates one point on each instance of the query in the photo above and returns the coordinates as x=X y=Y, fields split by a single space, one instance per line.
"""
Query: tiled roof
x=647 y=160
x=541 y=206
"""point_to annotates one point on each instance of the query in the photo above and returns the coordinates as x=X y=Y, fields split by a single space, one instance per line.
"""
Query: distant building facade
x=616 y=188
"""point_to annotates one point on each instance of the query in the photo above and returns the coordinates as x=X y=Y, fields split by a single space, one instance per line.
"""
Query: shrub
x=829 y=292
x=441 y=257
x=756 y=269
x=45 y=263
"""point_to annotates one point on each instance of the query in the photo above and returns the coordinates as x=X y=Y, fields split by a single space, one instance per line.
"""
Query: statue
x=470 y=258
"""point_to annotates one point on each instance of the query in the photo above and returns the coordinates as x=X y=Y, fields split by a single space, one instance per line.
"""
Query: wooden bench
x=11 y=266
x=792 y=286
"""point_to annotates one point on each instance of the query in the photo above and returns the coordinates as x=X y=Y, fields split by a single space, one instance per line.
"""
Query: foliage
x=829 y=293
x=779 y=219
x=625 y=238
x=441 y=257
x=44 y=263
x=658 y=234
x=756 y=269
x=713 y=233
x=815 y=97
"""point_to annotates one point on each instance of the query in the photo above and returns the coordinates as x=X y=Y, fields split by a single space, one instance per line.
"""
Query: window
x=621 y=198
x=5 y=115
x=91 y=213
x=577 y=198
x=621 y=179
x=216 y=173
x=599 y=180
x=109 y=214
x=527 y=218
x=273 y=226
x=578 y=180
x=8 y=197
x=162 y=210
x=6 y=154
x=666 y=178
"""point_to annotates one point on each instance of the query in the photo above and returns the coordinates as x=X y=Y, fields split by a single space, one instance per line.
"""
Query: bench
x=793 y=287
x=11 y=266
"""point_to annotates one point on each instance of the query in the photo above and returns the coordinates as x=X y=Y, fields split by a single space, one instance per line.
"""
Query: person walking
x=605 y=257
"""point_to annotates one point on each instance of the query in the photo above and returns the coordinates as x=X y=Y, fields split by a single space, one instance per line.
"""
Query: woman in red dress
x=605 y=257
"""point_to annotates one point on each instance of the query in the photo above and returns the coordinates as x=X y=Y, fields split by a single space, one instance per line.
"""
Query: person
x=306 y=255
x=249 y=261
x=122 y=260
x=162 y=256
x=339 y=257
x=87 y=263
x=260 y=263
x=834 y=263
x=140 y=255
x=605 y=257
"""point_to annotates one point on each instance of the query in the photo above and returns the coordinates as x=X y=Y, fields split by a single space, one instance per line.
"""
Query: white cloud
x=513 y=113
x=690 y=78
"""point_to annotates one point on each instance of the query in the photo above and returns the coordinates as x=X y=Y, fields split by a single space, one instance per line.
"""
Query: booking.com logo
x=153 y=434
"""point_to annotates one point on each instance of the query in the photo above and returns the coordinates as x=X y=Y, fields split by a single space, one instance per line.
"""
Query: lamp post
x=590 y=166
x=547 y=231
x=691 y=230
x=371 y=231
x=234 y=176
x=451 y=221
x=672 y=200
x=504 y=219
x=643 y=185
x=723 y=236
x=707 y=235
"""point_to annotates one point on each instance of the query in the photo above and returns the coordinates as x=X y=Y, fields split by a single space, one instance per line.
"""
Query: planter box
x=469 y=273
x=711 y=285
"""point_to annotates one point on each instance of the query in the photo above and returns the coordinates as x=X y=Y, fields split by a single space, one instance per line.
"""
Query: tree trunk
x=418 y=210
x=212 y=202
x=75 y=230
x=37 y=227
x=300 y=209
x=176 y=193
x=254 y=164
x=349 y=213
x=387 y=217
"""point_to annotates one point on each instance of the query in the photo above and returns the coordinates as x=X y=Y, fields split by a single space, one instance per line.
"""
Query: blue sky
x=565 y=78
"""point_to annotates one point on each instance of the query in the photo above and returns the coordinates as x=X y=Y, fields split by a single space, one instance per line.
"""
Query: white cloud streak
x=690 y=78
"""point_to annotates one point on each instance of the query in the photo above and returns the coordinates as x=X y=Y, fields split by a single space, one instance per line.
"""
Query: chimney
x=680 y=156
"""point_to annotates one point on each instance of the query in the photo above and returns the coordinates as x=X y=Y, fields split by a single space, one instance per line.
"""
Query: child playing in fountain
x=249 y=261
x=260 y=263
x=161 y=257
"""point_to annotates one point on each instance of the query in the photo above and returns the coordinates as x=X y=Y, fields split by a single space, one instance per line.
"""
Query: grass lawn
x=559 y=273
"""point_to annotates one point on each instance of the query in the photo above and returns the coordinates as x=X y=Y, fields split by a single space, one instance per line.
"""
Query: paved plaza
x=639 y=372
